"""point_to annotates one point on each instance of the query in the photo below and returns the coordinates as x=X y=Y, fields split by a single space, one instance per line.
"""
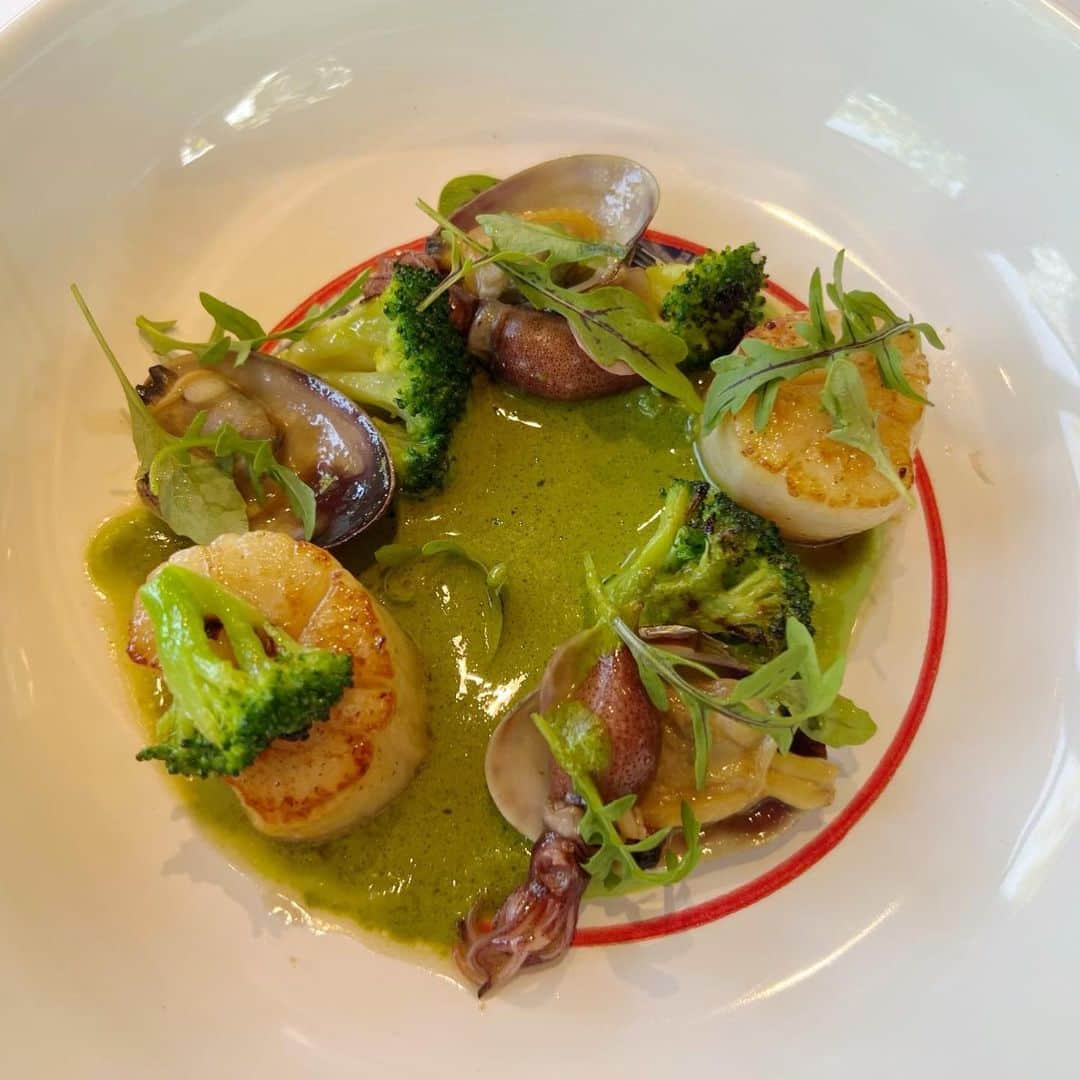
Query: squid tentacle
x=536 y=922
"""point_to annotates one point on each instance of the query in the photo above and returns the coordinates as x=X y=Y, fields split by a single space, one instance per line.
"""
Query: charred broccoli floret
x=226 y=710
x=713 y=301
x=408 y=364
x=728 y=573
x=714 y=566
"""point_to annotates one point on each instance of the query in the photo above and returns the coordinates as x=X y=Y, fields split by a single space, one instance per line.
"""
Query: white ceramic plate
x=255 y=150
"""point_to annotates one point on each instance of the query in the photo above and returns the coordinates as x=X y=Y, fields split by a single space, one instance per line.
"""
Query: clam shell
x=518 y=764
x=619 y=194
x=317 y=431
x=517 y=768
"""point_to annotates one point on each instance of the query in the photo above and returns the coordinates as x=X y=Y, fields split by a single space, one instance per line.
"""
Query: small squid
x=537 y=921
x=536 y=352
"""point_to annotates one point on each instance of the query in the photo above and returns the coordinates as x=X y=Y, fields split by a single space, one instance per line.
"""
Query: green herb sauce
x=536 y=485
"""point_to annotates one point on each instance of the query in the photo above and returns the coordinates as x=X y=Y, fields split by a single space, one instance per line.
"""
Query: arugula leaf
x=771 y=678
x=301 y=497
x=217 y=351
x=511 y=233
x=612 y=864
x=225 y=444
x=199 y=500
x=259 y=454
x=146 y=433
x=352 y=292
x=463 y=267
x=792 y=690
x=231 y=319
x=760 y=367
x=585 y=740
x=842 y=724
x=155 y=332
x=462 y=189
x=237 y=333
x=659 y=669
x=819 y=321
x=494 y=578
x=611 y=324
x=844 y=398
x=391 y=556
x=766 y=401
x=394 y=556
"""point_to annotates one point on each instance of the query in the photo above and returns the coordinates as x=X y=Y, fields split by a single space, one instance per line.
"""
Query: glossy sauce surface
x=533 y=484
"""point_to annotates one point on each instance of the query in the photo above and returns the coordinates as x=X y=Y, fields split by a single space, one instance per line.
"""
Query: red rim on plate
x=814 y=850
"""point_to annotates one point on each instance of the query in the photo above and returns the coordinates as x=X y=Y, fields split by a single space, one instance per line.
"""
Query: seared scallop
x=814 y=488
x=369 y=747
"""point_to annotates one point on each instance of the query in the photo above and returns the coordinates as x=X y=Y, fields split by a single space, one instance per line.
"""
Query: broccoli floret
x=410 y=365
x=714 y=566
x=226 y=711
x=728 y=573
x=623 y=593
x=713 y=301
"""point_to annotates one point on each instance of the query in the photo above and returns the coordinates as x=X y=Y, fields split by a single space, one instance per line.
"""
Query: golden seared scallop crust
x=369 y=747
x=813 y=487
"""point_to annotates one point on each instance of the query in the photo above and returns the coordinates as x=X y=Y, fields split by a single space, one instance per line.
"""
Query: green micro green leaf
x=199 y=500
x=225 y=444
x=739 y=377
x=155 y=333
x=216 y=352
x=196 y=495
x=394 y=555
x=844 y=398
x=765 y=402
x=842 y=724
x=247 y=334
x=231 y=319
x=461 y=190
x=788 y=693
x=819 y=320
x=928 y=332
x=301 y=497
x=511 y=233
x=352 y=292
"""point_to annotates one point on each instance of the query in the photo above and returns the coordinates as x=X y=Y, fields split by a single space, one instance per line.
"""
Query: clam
x=650 y=252
x=614 y=196
x=518 y=766
x=599 y=197
x=315 y=430
x=745 y=770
